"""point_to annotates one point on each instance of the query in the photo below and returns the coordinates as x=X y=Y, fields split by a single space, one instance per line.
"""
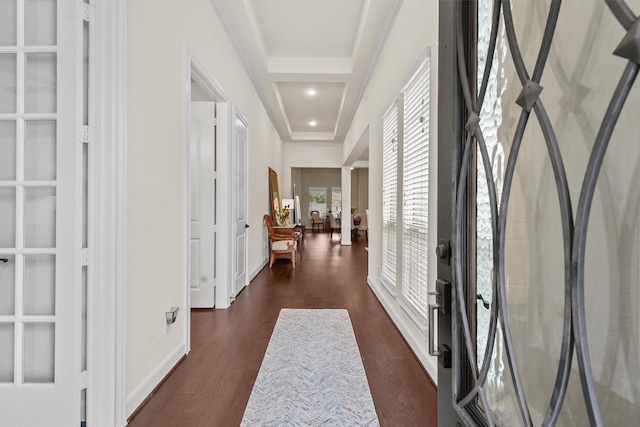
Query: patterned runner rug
x=311 y=374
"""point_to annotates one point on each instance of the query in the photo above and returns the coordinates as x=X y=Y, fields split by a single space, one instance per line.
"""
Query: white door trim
x=106 y=399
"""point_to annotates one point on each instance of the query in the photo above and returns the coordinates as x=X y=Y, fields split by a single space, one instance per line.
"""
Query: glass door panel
x=40 y=79
x=7 y=286
x=7 y=217
x=8 y=29
x=39 y=217
x=554 y=330
x=39 y=350
x=6 y=352
x=40 y=29
x=8 y=82
x=39 y=285
x=8 y=149
x=40 y=150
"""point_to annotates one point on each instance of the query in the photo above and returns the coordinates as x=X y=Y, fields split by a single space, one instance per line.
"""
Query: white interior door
x=202 y=246
x=240 y=195
x=40 y=213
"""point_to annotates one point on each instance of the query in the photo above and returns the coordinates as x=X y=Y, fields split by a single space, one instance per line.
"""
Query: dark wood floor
x=212 y=385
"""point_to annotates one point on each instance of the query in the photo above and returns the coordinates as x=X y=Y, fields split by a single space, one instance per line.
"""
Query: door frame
x=106 y=396
x=450 y=145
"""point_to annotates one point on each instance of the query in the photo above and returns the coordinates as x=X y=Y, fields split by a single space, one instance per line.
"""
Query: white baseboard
x=411 y=333
x=135 y=399
x=258 y=270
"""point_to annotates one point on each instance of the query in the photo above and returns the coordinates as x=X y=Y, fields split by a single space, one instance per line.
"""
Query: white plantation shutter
x=389 y=194
x=415 y=209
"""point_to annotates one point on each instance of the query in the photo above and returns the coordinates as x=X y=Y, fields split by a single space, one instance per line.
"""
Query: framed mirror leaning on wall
x=274 y=192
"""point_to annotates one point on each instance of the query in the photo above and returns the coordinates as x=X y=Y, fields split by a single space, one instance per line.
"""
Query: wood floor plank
x=212 y=385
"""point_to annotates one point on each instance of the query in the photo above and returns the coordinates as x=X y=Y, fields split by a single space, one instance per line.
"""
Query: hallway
x=212 y=384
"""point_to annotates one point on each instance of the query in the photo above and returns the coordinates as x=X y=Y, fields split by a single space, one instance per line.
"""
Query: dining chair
x=363 y=226
x=333 y=223
x=316 y=220
x=354 y=227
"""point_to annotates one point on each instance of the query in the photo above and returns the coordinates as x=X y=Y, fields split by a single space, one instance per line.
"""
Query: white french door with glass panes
x=41 y=212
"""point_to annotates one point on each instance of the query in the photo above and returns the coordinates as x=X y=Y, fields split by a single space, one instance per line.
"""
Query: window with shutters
x=389 y=195
x=415 y=188
x=405 y=195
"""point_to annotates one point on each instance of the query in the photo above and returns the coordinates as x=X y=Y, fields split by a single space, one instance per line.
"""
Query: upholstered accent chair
x=281 y=244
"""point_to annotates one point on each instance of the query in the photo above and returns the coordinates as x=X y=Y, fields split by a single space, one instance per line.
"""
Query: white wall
x=314 y=177
x=415 y=29
x=159 y=33
x=360 y=189
x=308 y=155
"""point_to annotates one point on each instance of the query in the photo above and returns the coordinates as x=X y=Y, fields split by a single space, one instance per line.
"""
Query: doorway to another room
x=320 y=190
x=216 y=202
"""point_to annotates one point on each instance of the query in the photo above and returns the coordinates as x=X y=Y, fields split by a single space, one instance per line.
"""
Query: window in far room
x=336 y=200
x=318 y=200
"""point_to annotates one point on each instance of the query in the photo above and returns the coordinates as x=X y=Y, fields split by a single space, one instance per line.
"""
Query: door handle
x=432 y=310
x=246 y=226
x=4 y=259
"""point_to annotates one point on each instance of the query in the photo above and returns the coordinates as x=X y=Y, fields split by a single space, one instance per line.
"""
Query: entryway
x=327 y=276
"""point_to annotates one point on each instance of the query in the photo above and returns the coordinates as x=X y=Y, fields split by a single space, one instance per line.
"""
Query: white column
x=346 y=207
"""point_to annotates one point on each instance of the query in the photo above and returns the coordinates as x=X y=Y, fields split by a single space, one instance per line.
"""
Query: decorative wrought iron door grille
x=553 y=124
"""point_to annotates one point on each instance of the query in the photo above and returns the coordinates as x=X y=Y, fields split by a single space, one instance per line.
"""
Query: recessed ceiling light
x=313 y=123
x=311 y=92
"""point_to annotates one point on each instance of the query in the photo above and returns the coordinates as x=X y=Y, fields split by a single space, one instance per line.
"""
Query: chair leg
x=293 y=259
x=273 y=258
